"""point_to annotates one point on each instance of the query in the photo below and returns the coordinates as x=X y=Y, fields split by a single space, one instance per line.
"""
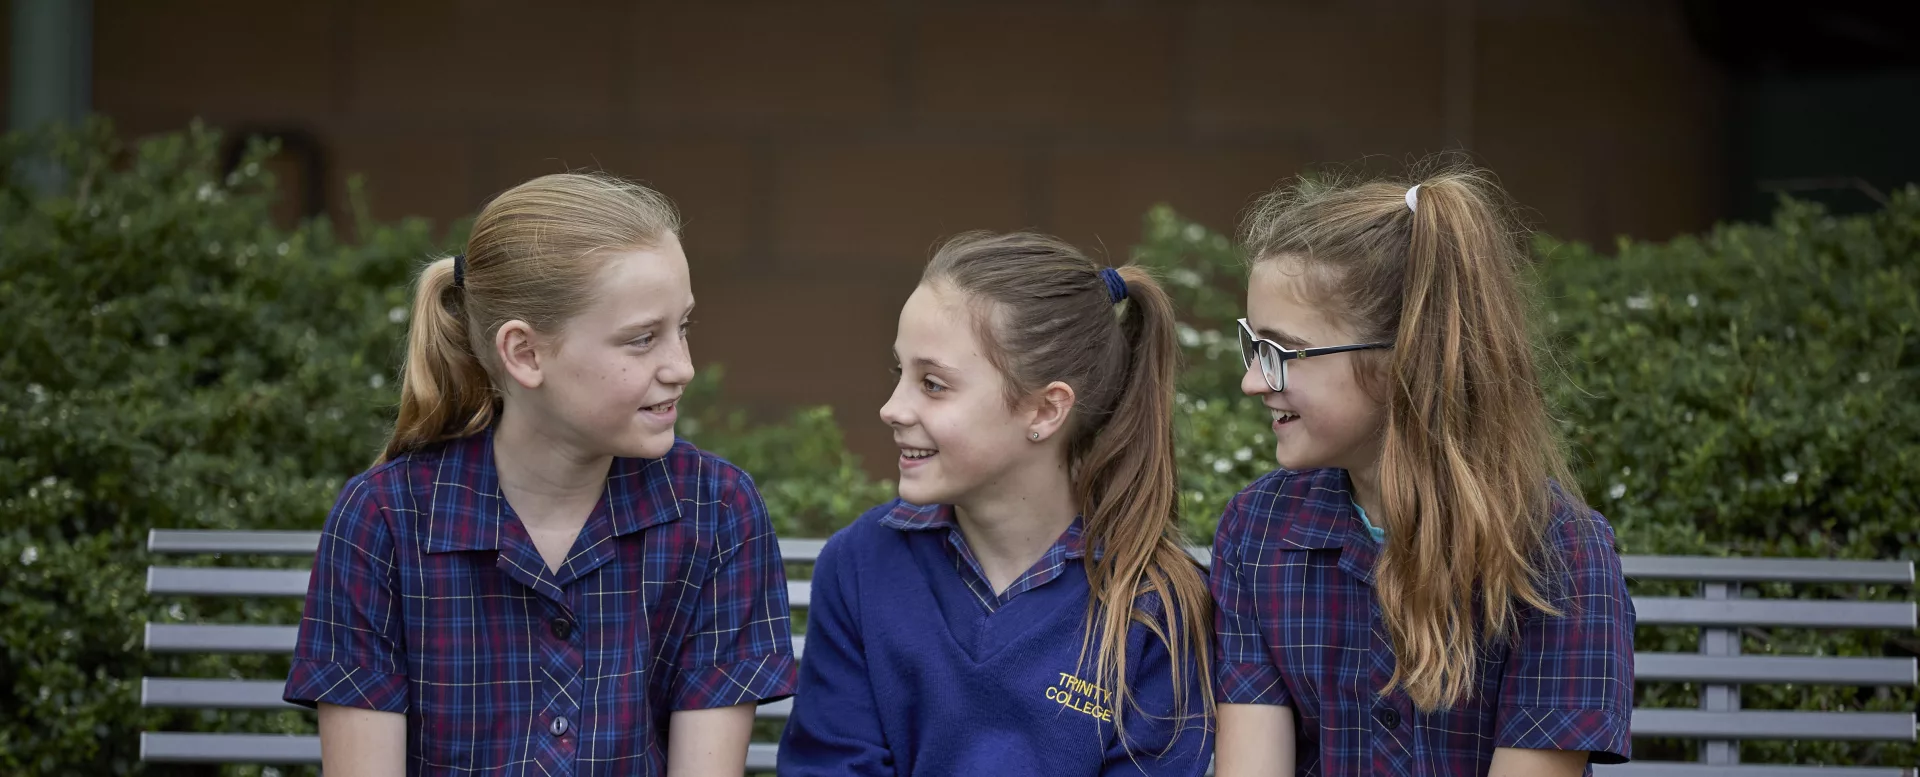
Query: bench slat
x=1702 y=568
x=193 y=693
x=212 y=638
x=226 y=581
x=212 y=694
x=1653 y=610
x=1774 y=724
x=1766 y=570
x=220 y=638
x=1677 y=769
x=195 y=748
x=193 y=542
x=1803 y=613
x=251 y=543
x=1766 y=670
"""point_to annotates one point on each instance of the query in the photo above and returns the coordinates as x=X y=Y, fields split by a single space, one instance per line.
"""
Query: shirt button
x=562 y=628
x=559 y=727
x=1387 y=717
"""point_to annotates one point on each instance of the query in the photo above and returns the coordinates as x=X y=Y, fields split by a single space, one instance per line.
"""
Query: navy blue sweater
x=913 y=667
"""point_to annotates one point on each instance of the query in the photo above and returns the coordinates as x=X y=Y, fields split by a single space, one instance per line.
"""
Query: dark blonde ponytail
x=444 y=389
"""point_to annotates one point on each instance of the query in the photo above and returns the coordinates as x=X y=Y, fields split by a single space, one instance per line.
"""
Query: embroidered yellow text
x=1082 y=696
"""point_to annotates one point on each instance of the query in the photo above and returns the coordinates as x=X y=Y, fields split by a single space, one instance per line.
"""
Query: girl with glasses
x=1419 y=589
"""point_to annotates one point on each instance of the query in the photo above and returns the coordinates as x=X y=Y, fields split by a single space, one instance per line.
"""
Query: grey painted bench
x=1718 y=667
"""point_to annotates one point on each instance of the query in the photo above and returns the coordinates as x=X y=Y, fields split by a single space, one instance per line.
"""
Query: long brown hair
x=533 y=256
x=1470 y=460
x=1045 y=314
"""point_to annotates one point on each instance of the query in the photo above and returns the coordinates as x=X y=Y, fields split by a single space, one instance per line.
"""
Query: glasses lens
x=1246 y=348
x=1274 y=367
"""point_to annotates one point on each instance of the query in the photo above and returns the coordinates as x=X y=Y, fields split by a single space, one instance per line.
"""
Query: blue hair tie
x=1116 y=286
x=459 y=271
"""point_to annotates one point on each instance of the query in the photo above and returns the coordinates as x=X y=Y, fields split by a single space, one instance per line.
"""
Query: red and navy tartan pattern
x=429 y=598
x=911 y=517
x=1299 y=626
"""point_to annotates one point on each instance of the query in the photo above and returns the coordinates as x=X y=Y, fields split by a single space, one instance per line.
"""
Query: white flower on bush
x=397 y=314
x=377 y=380
x=1640 y=301
x=1693 y=300
x=1195 y=232
x=1184 y=277
x=1244 y=454
x=1189 y=337
x=28 y=556
x=1863 y=377
x=1618 y=490
x=1222 y=466
x=1790 y=478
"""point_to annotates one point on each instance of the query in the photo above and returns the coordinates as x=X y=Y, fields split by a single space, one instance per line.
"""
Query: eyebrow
x=1282 y=338
x=645 y=324
x=926 y=363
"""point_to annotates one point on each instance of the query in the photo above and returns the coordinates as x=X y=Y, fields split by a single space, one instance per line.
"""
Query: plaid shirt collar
x=1325 y=519
x=911 y=517
x=639 y=494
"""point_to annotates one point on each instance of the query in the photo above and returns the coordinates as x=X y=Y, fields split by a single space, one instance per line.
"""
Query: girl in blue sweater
x=1025 y=607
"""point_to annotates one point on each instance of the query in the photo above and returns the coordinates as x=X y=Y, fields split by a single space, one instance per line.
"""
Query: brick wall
x=819 y=149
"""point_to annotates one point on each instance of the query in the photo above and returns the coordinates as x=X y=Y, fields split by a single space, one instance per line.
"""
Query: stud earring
x=1036 y=436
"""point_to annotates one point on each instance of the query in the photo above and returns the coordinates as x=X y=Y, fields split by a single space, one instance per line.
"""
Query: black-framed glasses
x=1273 y=357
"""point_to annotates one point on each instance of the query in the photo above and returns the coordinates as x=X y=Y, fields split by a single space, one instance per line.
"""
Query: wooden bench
x=1718 y=667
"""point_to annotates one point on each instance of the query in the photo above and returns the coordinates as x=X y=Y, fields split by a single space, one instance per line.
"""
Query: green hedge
x=174 y=360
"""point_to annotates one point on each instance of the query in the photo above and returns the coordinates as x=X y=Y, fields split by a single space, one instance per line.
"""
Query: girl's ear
x=515 y=344
x=1053 y=405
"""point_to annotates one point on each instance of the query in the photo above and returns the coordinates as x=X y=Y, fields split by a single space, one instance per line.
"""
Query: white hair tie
x=1412 y=198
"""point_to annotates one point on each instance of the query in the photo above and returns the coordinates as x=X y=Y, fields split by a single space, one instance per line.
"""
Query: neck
x=1366 y=492
x=543 y=477
x=1012 y=521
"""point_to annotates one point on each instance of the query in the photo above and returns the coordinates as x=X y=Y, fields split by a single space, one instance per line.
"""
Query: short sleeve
x=739 y=648
x=1569 y=681
x=1243 y=667
x=351 y=649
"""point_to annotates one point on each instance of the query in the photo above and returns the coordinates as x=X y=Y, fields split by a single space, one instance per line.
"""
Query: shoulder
x=1577 y=532
x=1273 y=498
x=1580 y=550
x=388 y=489
x=705 y=474
x=866 y=534
x=708 y=488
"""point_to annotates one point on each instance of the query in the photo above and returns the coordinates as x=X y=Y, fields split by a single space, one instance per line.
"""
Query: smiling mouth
x=664 y=407
x=1282 y=417
x=916 y=454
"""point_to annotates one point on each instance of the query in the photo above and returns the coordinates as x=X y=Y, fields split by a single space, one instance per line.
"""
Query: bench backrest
x=1718 y=667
